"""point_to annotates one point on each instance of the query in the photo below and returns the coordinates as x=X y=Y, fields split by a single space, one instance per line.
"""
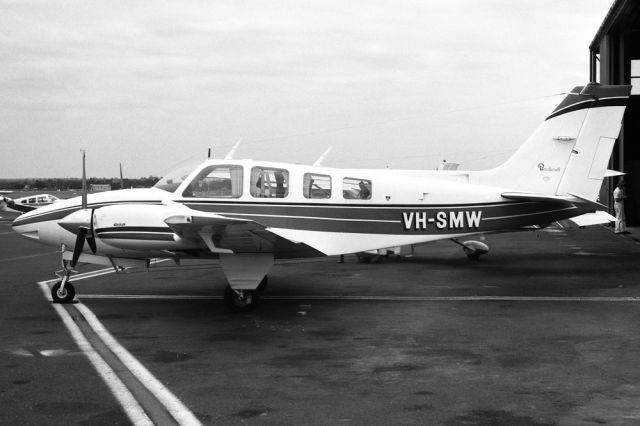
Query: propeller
x=80 y=222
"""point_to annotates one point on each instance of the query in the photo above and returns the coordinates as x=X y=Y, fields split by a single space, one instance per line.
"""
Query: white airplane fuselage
x=405 y=207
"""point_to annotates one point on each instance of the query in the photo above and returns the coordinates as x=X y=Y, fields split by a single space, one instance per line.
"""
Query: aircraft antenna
x=209 y=154
x=121 y=179
x=231 y=153
x=322 y=157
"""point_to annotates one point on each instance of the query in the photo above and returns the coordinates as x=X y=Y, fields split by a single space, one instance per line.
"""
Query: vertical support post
x=84 y=182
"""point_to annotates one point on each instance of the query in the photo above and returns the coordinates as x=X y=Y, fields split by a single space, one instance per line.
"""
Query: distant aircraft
x=248 y=213
x=26 y=204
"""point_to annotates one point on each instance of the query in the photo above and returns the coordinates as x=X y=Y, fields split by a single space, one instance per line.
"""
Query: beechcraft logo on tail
x=420 y=221
x=544 y=168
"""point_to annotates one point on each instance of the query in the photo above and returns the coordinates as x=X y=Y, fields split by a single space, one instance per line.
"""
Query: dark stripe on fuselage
x=356 y=218
x=60 y=213
x=143 y=236
x=135 y=229
x=146 y=233
x=384 y=219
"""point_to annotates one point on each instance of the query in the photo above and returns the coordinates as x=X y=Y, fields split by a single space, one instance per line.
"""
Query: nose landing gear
x=63 y=291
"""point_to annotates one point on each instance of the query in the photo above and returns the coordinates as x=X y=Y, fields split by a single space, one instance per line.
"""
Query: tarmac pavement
x=542 y=330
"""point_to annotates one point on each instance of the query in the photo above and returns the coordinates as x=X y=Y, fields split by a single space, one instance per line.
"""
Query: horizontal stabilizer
x=595 y=218
x=612 y=173
x=596 y=205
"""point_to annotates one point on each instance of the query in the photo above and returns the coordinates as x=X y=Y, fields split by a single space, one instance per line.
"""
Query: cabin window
x=220 y=181
x=171 y=181
x=268 y=182
x=316 y=186
x=356 y=189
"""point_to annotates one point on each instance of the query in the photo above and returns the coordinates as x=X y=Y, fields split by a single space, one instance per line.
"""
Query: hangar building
x=616 y=49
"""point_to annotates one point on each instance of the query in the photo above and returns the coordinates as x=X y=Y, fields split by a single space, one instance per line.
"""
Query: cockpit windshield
x=172 y=180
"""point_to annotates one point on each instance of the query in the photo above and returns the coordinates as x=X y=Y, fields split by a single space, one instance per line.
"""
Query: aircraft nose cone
x=25 y=228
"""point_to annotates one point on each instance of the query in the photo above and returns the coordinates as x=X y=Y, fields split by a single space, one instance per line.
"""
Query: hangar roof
x=623 y=16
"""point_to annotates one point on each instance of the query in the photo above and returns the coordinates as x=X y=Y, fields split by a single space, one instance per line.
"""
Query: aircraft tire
x=473 y=255
x=66 y=296
x=236 y=304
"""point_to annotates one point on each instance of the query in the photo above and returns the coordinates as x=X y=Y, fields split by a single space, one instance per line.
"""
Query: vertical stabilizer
x=568 y=153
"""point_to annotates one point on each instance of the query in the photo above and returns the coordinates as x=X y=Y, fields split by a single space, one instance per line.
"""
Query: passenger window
x=269 y=183
x=316 y=186
x=356 y=189
x=216 y=182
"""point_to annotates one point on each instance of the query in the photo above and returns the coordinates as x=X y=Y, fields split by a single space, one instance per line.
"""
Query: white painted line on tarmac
x=379 y=298
x=173 y=405
x=11 y=259
x=97 y=273
x=131 y=407
x=178 y=410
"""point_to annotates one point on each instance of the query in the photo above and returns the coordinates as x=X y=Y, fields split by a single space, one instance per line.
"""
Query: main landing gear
x=473 y=249
x=244 y=300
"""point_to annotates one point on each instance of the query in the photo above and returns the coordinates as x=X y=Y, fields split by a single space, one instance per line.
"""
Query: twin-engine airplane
x=26 y=204
x=249 y=213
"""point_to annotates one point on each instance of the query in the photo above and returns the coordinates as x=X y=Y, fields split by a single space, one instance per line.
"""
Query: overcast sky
x=403 y=84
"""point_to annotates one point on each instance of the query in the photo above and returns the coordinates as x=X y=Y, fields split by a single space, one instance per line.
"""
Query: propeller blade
x=92 y=243
x=91 y=237
x=77 y=249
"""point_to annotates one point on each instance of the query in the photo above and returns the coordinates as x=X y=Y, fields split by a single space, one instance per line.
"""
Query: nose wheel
x=63 y=294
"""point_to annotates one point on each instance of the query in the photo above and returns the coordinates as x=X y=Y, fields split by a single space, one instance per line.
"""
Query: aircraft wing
x=223 y=234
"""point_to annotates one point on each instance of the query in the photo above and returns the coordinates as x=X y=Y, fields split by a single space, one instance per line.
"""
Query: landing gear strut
x=63 y=291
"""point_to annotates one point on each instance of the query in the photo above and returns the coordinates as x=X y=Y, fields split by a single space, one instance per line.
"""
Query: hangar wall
x=616 y=46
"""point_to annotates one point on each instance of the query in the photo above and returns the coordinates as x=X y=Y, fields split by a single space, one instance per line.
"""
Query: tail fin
x=568 y=153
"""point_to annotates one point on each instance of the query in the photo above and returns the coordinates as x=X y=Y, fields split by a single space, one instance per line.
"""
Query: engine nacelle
x=139 y=227
x=474 y=249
